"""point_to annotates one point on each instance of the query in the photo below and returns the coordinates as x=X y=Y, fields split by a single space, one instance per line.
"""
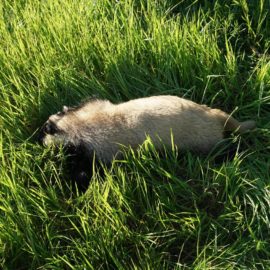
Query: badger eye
x=50 y=128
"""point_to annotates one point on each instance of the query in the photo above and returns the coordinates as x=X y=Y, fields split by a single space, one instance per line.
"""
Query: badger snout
x=48 y=134
x=43 y=133
x=44 y=139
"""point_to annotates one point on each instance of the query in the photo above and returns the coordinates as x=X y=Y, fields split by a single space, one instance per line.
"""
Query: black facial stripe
x=50 y=128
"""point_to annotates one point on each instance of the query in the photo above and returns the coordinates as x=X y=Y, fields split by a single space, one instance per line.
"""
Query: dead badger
x=100 y=127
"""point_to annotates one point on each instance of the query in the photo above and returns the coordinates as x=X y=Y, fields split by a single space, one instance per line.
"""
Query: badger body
x=100 y=127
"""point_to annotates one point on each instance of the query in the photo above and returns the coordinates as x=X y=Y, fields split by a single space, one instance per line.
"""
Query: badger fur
x=101 y=127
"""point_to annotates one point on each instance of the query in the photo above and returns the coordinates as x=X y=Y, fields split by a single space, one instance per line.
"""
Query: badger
x=102 y=128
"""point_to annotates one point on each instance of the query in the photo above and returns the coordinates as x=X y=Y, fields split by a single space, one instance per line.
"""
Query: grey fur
x=102 y=127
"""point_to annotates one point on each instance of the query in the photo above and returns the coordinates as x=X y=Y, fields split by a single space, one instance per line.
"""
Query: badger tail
x=230 y=124
x=233 y=125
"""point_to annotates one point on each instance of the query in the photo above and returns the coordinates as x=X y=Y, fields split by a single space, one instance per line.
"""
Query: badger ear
x=65 y=109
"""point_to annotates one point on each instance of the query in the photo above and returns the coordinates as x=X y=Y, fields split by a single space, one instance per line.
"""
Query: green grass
x=173 y=210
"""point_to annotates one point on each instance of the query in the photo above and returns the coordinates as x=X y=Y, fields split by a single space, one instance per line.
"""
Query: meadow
x=175 y=210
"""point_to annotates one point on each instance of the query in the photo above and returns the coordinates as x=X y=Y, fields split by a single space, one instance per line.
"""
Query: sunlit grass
x=151 y=210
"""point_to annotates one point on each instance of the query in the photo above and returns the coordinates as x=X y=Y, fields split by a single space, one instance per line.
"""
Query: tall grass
x=170 y=210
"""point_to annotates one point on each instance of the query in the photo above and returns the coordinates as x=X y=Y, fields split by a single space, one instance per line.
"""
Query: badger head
x=58 y=129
